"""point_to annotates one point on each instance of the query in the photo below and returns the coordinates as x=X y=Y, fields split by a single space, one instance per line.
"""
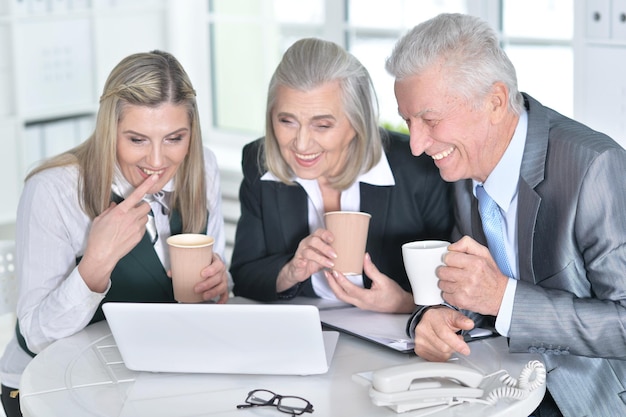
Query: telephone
x=424 y=384
x=444 y=384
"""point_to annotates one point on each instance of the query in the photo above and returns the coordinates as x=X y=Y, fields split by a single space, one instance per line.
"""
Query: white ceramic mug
x=421 y=259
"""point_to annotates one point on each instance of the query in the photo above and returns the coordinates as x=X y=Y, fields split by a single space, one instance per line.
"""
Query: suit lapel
x=532 y=173
x=536 y=147
x=291 y=203
x=527 y=209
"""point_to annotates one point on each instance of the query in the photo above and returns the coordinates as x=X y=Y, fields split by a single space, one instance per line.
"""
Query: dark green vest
x=138 y=277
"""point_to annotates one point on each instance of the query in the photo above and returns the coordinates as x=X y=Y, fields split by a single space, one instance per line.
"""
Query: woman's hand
x=215 y=281
x=314 y=253
x=113 y=234
x=385 y=295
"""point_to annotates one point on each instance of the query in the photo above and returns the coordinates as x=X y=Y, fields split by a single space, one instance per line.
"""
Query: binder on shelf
x=618 y=19
x=33 y=148
x=597 y=19
x=59 y=136
x=9 y=171
x=20 y=7
x=6 y=85
x=85 y=126
x=79 y=4
x=38 y=6
x=59 y=6
x=56 y=56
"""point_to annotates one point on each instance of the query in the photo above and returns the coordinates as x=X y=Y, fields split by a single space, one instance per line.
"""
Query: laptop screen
x=221 y=338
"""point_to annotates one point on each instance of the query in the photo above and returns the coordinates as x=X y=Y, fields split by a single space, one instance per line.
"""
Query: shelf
x=606 y=42
x=61 y=113
x=55 y=56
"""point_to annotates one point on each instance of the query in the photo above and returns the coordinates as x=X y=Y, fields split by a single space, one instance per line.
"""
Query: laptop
x=221 y=338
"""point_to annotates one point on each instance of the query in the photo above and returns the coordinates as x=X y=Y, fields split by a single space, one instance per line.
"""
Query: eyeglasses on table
x=285 y=403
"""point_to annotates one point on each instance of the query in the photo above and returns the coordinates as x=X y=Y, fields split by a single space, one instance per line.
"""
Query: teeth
x=308 y=157
x=443 y=154
x=150 y=172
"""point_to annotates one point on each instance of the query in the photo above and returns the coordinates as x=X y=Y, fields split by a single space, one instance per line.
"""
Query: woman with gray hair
x=82 y=235
x=324 y=151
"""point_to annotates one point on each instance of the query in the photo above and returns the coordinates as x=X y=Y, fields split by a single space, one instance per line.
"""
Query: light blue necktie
x=492 y=226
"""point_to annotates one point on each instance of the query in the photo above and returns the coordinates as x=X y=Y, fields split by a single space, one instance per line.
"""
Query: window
x=248 y=37
x=373 y=31
x=542 y=52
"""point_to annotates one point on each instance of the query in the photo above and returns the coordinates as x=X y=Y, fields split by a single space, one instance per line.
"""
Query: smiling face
x=152 y=140
x=312 y=130
x=462 y=139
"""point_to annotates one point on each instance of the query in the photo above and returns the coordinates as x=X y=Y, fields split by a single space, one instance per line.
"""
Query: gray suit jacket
x=570 y=303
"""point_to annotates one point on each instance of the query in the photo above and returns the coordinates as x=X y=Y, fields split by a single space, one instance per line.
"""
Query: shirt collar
x=501 y=185
x=380 y=174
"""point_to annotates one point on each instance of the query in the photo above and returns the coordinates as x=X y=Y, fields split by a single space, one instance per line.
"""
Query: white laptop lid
x=221 y=338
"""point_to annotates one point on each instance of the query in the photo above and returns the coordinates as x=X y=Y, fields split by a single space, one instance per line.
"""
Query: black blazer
x=274 y=219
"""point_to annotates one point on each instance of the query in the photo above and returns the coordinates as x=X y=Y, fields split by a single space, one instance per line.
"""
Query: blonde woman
x=82 y=226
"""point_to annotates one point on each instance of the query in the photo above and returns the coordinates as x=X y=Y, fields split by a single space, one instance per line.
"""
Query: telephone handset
x=444 y=384
x=424 y=384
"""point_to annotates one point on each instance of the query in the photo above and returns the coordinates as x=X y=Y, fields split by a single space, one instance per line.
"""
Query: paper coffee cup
x=421 y=259
x=190 y=253
x=350 y=231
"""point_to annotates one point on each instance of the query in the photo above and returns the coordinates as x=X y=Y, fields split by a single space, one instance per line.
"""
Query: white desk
x=83 y=375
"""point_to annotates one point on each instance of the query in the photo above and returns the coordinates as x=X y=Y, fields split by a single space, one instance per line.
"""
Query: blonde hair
x=307 y=64
x=143 y=79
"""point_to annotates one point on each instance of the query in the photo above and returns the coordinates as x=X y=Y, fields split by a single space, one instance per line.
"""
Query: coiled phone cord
x=521 y=387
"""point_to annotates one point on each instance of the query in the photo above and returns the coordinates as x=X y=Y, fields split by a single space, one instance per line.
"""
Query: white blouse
x=379 y=175
x=52 y=230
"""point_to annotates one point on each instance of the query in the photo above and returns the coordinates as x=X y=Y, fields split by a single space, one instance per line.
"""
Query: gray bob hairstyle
x=310 y=63
x=467 y=48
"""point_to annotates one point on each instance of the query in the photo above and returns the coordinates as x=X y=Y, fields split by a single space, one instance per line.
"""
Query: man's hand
x=436 y=337
x=470 y=278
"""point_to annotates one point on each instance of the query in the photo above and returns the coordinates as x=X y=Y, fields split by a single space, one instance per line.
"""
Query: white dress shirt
x=502 y=187
x=379 y=175
x=51 y=233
